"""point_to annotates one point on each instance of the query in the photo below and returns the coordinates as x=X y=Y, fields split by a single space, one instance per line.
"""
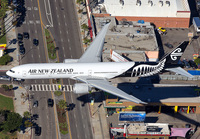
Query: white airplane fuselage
x=69 y=70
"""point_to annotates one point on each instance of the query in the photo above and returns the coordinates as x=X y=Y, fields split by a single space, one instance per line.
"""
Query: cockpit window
x=12 y=71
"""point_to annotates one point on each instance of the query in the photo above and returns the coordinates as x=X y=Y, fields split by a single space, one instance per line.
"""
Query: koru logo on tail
x=176 y=53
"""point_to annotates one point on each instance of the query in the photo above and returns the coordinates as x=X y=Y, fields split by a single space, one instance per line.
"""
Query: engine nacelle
x=81 y=88
x=70 y=60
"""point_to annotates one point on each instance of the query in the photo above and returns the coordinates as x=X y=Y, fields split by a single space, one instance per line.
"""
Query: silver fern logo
x=175 y=54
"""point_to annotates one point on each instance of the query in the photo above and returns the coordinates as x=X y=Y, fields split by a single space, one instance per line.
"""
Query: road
x=36 y=54
x=63 y=24
x=60 y=18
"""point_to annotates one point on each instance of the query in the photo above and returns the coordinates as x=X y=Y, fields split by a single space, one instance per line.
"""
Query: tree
x=28 y=123
x=10 y=87
x=13 y=122
x=5 y=59
x=84 y=27
x=27 y=114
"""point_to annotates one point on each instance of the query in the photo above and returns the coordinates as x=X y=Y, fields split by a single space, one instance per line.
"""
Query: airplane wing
x=181 y=71
x=94 y=52
x=106 y=86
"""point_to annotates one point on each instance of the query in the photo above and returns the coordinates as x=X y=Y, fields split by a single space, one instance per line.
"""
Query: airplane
x=94 y=73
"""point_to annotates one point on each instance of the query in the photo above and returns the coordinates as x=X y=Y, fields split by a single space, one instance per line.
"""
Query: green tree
x=27 y=114
x=13 y=122
x=10 y=87
x=86 y=40
x=28 y=123
x=5 y=59
x=197 y=61
x=84 y=27
x=4 y=8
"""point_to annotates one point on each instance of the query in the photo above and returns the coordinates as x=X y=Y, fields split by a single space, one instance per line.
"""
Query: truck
x=196 y=23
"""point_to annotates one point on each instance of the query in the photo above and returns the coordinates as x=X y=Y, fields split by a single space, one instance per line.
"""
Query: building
x=164 y=13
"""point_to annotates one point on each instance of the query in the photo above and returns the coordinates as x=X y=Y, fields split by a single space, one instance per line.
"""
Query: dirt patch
x=9 y=93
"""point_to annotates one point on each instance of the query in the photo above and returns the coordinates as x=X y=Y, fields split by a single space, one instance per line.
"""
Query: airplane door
x=24 y=73
x=89 y=72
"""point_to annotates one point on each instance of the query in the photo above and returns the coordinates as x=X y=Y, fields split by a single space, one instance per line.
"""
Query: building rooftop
x=129 y=38
x=142 y=128
x=153 y=8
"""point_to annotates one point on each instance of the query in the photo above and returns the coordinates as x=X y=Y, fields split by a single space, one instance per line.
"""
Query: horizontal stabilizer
x=180 y=71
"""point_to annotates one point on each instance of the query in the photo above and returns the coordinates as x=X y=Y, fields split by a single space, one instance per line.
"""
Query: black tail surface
x=174 y=56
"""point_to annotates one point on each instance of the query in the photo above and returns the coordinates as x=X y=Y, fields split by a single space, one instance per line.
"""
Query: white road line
x=33 y=15
x=61 y=1
x=60 y=32
x=53 y=88
x=32 y=55
x=56 y=8
x=64 y=55
x=36 y=88
x=61 y=40
x=39 y=56
x=59 y=23
x=67 y=87
x=58 y=16
x=46 y=87
x=65 y=24
x=69 y=48
x=67 y=32
x=71 y=88
x=64 y=16
x=71 y=56
x=63 y=48
x=68 y=40
x=36 y=31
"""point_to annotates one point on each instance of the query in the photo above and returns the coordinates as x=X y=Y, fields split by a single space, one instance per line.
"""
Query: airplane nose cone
x=8 y=73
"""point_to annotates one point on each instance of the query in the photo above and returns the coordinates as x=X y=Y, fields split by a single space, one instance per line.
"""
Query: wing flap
x=106 y=86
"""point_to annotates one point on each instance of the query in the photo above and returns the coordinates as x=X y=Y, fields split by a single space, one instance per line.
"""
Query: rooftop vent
x=138 y=3
x=150 y=3
x=121 y=2
x=160 y=3
x=167 y=3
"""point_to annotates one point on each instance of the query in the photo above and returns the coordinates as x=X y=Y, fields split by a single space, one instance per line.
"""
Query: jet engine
x=70 y=60
x=81 y=88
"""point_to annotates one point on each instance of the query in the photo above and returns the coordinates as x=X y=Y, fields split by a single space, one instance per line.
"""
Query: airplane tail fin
x=174 y=56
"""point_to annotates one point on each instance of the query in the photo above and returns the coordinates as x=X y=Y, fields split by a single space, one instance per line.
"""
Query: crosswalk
x=51 y=87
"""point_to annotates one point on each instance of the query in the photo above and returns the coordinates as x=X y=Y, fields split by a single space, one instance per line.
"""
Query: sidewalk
x=98 y=115
x=20 y=105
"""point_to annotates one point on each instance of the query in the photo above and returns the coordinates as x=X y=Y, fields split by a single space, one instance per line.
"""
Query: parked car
x=35 y=103
x=181 y=64
x=186 y=64
x=37 y=130
x=162 y=30
x=35 y=42
x=20 y=36
x=193 y=64
x=7 y=78
x=21 y=49
x=169 y=45
x=50 y=102
x=26 y=35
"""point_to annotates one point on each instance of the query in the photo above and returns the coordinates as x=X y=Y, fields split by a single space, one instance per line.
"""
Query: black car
x=21 y=49
x=37 y=130
x=19 y=36
x=169 y=45
x=20 y=43
x=35 y=42
x=193 y=64
x=50 y=102
x=26 y=35
x=186 y=64
x=35 y=103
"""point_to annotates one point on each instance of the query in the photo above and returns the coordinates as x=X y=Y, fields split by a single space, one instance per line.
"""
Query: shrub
x=5 y=87
x=58 y=93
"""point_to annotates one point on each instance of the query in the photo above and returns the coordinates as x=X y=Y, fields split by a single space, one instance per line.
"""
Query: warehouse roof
x=145 y=8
